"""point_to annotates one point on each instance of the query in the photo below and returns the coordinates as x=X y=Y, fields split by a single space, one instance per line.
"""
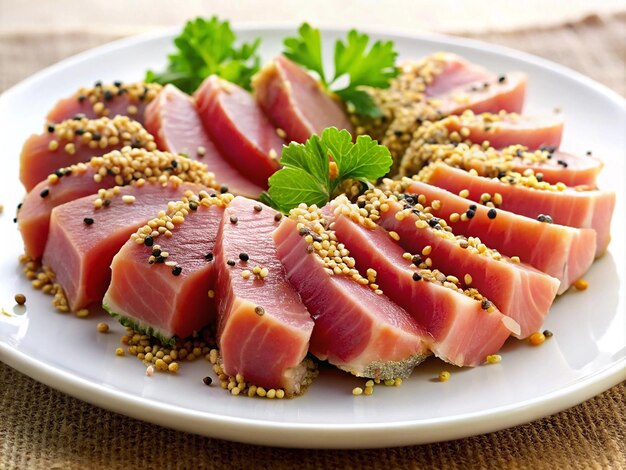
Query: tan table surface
x=42 y=428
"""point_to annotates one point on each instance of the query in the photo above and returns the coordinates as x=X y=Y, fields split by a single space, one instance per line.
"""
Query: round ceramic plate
x=586 y=356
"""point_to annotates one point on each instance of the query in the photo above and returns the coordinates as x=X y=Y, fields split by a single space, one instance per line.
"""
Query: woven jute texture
x=41 y=428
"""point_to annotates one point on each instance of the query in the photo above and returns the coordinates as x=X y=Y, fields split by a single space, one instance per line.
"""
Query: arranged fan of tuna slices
x=451 y=144
x=518 y=290
x=263 y=327
x=356 y=329
x=565 y=253
x=174 y=122
x=106 y=100
x=163 y=286
x=85 y=236
x=120 y=167
x=525 y=195
x=239 y=129
x=74 y=141
x=295 y=102
x=465 y=329
x=506 y=128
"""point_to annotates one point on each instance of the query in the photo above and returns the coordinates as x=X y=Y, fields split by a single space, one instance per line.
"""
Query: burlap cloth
x=42 y=428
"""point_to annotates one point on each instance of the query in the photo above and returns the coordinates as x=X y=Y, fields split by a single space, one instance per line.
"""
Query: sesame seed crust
x=100 y=95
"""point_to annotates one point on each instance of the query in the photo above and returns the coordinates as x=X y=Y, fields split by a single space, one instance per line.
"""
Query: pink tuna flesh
x=295 y=102
x=80 y=252
x=264 y=329
x=239 y=129
x=173 y=120
x=581 y=209
x=517 y=290
x=463 y=332
x=355 y=329
x=565 y=253
x=151 y=297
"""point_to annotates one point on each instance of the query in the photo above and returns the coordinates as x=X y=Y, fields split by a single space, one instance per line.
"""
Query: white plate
x=586 y=356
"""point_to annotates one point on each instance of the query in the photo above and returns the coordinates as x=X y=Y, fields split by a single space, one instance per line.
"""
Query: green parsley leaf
x=207 y=47
x=362 y=67
x=305 y=176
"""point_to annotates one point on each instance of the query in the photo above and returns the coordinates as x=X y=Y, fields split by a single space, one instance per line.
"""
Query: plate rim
x=316 y=435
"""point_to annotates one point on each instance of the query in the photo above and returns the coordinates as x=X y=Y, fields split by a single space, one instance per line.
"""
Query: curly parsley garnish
x=207 y=47
x=306 y=176
x=363 y=67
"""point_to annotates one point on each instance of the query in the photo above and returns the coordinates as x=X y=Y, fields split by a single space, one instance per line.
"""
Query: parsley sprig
x=363 y=67
x=305 y=176
x=207 y=47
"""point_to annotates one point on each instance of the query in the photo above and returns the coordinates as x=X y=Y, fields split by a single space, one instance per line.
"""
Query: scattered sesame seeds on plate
x=583 y=351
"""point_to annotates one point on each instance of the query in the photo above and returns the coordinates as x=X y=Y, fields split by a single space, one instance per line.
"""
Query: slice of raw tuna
x=84 y=238
x=526 y=196
x=356 y=329
x=494 y=94
x=562 y=167
x=451 y=144
x=464 y=333
x=443 y=72
x=106 y=100
x=77 y=140
x=264 y=329
x=120 y=167
x=163 y=286
x=174 y=122
x=239 y=129
x=295 y=102
x=563 y=252
x=504 y=129
x=517 y=289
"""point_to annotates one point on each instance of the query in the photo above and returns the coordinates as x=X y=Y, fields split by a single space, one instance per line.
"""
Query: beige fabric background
x=42 y=428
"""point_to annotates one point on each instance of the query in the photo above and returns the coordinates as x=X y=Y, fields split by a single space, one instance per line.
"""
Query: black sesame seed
x=501 y=174
x=174 y=163
x=148 y=241
x=548 y=333
x=244 y=256
x=588 y=153
x=14 y=220
x=233 y=219
x=416 y=260
x=278 y=216
x=79 y=131
x=485 y=304
x=473 y=207
x=78 y=117
x=207 y=380
x=545 y=218
x=19 y=206
x=258 y=208
x=470 y=213
x=156 y=252
x=360 y=204
x=260 y=311
x=50 y=128
x=563 y=163
x=88 y=221
x=160 y=259
x=106 y=202
x=223 y=189
x=44 y=193
x=177 y=270
x=193 y=206
x=501 y=78
x=117 y=83
x=108 y=96
x=209 y=256
x=417 y=277
x=397 y=133
x=492 y=213
x=98 y=83
x=433 y=222
x=96 y=136
x=81 y=98
x=230 y=262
